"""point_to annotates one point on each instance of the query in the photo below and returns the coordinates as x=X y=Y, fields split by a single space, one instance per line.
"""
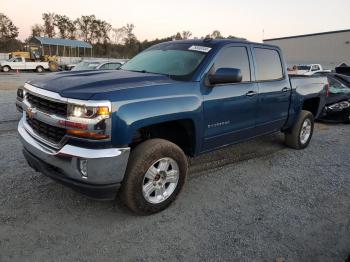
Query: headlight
x=88 y=111
x=92 y=121
x=20 y=93
x=339 y=106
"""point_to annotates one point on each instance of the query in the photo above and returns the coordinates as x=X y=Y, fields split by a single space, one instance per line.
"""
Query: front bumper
x=106 y=167
x=19 y=106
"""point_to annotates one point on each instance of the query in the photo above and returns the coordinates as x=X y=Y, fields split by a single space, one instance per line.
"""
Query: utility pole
x=263 y=35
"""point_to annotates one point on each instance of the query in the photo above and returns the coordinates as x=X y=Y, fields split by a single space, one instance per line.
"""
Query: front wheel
x=299 y=136
x=156 y=172
x=6 y=69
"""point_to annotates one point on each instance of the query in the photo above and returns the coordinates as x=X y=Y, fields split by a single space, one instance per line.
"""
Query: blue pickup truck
x=129 y=133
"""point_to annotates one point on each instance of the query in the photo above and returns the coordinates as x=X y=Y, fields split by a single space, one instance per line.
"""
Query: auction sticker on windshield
x=203 y=49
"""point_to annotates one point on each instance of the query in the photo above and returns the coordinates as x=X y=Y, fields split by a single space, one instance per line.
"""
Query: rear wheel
x=155 y=174
x=53 y=66
x=347 y=120
x=299 y=136
x=6 y=69
x=40 y=69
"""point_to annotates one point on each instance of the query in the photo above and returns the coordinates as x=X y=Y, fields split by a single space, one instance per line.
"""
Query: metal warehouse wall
x=329 y=50
x=4 y=56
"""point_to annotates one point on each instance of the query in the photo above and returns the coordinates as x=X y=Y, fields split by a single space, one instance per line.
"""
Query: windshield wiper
x=145 y=71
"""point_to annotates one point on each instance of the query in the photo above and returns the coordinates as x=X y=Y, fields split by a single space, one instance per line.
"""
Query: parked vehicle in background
x=135 y=128
x=318 y=73
x=21 y=63
x=97 y=65
x=343 y=69
x=308 y=69
x=69 y=67
x=337 y=108
x=36 y=54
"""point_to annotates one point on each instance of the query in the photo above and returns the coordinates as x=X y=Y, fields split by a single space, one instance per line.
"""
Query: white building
x=328 y=49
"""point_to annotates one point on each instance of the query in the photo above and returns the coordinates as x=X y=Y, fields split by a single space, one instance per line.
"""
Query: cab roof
x=219 y=42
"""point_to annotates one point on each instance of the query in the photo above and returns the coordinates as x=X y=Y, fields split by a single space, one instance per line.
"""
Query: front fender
x=133 y=115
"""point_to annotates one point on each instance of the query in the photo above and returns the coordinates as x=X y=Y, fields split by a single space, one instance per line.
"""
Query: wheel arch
x=312 y=105
x=6 y=66
x=181 y=132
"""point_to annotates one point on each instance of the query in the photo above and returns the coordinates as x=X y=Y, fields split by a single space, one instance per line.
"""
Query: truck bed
x=311 y=88
x=308 y=85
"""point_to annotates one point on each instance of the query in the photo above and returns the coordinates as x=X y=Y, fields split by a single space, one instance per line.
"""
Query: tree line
x=107 y=41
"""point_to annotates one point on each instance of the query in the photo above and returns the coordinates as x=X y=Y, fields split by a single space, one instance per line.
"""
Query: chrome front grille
x=46 y=105
x=48 y=132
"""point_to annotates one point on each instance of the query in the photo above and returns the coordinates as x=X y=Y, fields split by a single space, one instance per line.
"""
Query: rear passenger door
x=274 y=90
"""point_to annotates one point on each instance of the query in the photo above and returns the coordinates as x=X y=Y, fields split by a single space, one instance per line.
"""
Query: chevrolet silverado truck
x=129 y=133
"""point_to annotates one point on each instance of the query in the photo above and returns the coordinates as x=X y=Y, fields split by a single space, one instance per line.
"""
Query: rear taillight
x=327 y=89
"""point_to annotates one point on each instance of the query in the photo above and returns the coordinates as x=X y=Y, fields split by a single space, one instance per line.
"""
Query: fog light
x=83 y=166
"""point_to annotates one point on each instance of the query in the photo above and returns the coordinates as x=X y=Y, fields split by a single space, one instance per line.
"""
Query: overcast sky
x=161 y=18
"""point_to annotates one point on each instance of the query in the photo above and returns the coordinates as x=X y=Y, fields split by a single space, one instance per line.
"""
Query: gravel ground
x=250 y=202
x=9 y=82
x=260 y=201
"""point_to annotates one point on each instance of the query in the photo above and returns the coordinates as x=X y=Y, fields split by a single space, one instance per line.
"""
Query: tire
x=347 y=117
x=40 y=69
x=53 y=67
x=152 y=155
x=6 y=69
x=299 y=136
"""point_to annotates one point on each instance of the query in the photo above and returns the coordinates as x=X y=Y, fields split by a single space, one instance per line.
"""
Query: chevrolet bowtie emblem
x=31 y=112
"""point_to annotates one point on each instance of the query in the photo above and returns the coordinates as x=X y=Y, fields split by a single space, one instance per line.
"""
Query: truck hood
x=85 y=84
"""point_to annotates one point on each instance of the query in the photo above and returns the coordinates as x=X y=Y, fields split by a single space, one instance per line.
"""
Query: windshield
x=307 y=68
x=86 y=66
x=11 y=59
x=178 y=61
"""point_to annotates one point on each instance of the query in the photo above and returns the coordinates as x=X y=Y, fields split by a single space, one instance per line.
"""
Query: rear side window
x=234 y=57
x=268 y=64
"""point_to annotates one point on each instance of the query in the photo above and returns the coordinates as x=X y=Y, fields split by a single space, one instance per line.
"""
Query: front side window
x=268 y=64
x=176 y=60
x=234 y=57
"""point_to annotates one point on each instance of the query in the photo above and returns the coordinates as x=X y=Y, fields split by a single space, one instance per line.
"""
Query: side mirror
x=225 y=76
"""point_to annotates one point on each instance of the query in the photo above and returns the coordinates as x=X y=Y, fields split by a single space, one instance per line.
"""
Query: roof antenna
x=263 y=35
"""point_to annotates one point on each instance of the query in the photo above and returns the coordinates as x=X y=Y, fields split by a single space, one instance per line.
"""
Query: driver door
x=18 y=63
x=230 y=109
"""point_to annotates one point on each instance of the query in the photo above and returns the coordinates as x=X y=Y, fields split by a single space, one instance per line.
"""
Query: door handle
x=251 y=93
x=285 y=89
